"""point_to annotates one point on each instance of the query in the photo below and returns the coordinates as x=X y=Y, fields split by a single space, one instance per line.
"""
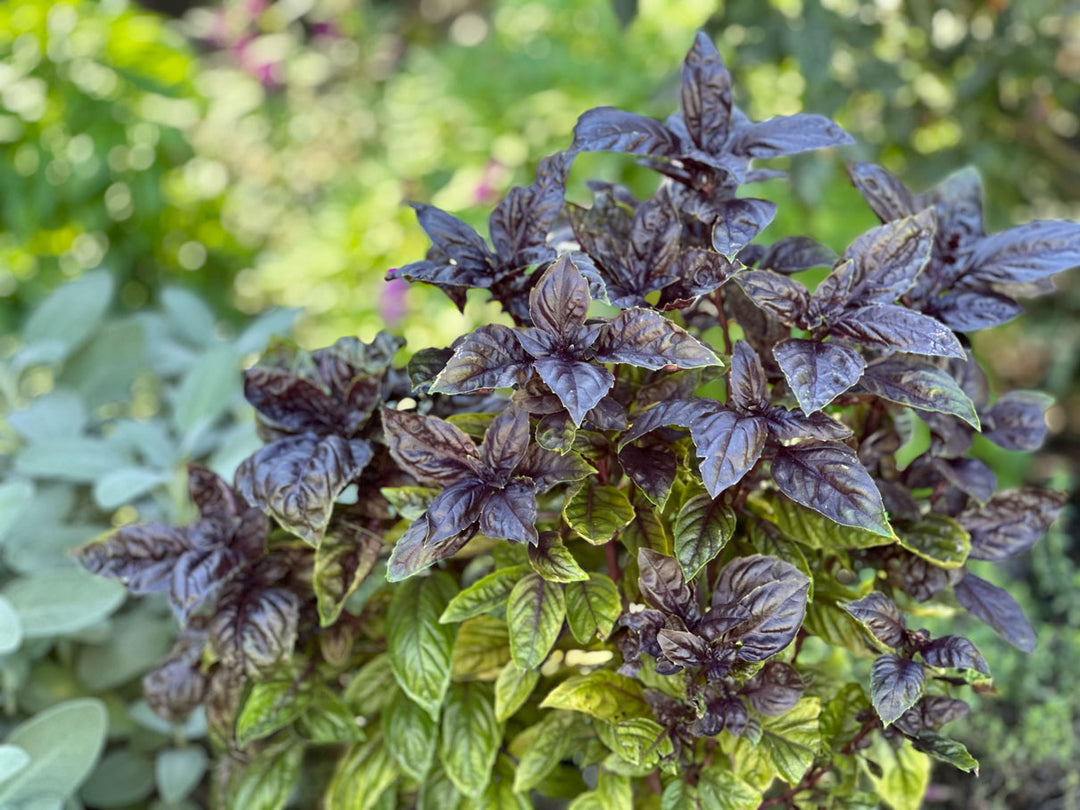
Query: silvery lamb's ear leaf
x=706 y=95
x=774 y=689
x=413 y=554
x=560 y=300
x=788 y=135
x=641 y=337
x=547 y=468
x=577 y=384
x=505 y=442
x=881 y=617
x=196 y=575
x=606 y=129
x=748 y=389
x=783 y=298
x=681 y=648
x=141 y=556
x=510 y=512
x=785 y=426
x=425 y=366
x=297 y=479
x=898 y=328
x=895 y=685
x=886 y=195
x=954 y=652
x=888 y=258
x=972 y=310
x=795 y=253
x=818 y=372
x=1016 y=420
x=176 y=686
x=737 y=222
x=488 y=357
x=458 y=241
x=1027 y=253
x=920 y=385
x=253 y=628
x=774 y=593
x=662 y=585
x=997 y=608
x=828 y=478
x=1011 y=522
x=429 y=449
x=455 y=509
x=521 y=221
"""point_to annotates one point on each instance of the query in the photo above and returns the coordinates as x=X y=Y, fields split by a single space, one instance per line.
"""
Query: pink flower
x=393 y=305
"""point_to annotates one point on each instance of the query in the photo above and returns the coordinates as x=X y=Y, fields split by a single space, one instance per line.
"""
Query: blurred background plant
x=252 y=154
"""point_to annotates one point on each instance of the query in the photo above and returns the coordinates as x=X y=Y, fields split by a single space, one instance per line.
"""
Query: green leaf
x=11 y=634
x=79 y=459
x=534 y=614
x=602 y=694
x=647 y=530
x=14 y=496
x=470 y=737
x=411 y=735
x=372 y=687
x=499 y=794
x=720 y=789
x=343 y=560
x=905 y=773
x=270 y=705
x=71 y=313
x=207 y=389
x=613 y=792
x=104 y=371
x=178 y=771
x=484 y=595
x=188 y=316
x=12 y=760
x=786 y=748
x=63 y=743
x=512 y=689
x=950 y=751
x=481 y=650
x=597 y=512
x=409 y=502
x=437 y=792
x=55 y=603
x=327 y=718
x=939 y=539
x=552 y=560
x=808 y=527
x=138 y=640
x=702 y=528
x=640 y=741
x=122 y=778
x=550 y=741
x=361 y=777
x=126 y=484
x=420 y=648
x=592 y=608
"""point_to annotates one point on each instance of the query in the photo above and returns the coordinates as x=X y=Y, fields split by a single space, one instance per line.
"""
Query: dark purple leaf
x=505 y=443
x=937 y=710
x=489 y=357
x=774 y=593
x=224 y=689
x=895 y=685
x=455 y=509
x=997 y=608
x=886 y=259
x=788 y=135
x=970 y=475
x=176 y=686
x=297 y=479
x=196 y=575
x=510 y=512
x=1016 y=420
x=1011 y=522
x=817 y=372
x=918 y=577
x=681 y=648
x=429 y=449
x=793 y=254
x=785 y=425
x=212 y=495
x=774 y=689
x=606 y=129
x=547 y=468
x=290 y=403
x=954 y=652
x=881 y=616
x=828 y=478
x=577 y=384
x=560 y=300
x=747 y=387
x=887 y=196
x=662 y=585
x=972 y=310
x=141 y=556
x=458 y=241
x=918 y=384
x=1027 y=253
x=737 y=222
x=425 y=366
x=641 y=337
x=783 y=298
x=520 y=223
x=698 y=272
x=681 y=412
x=253 y=629
x=958 y=202
x=728 y=447
x=652 y=469
x=898 y=328
x=412 y=554
x=706 y=95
